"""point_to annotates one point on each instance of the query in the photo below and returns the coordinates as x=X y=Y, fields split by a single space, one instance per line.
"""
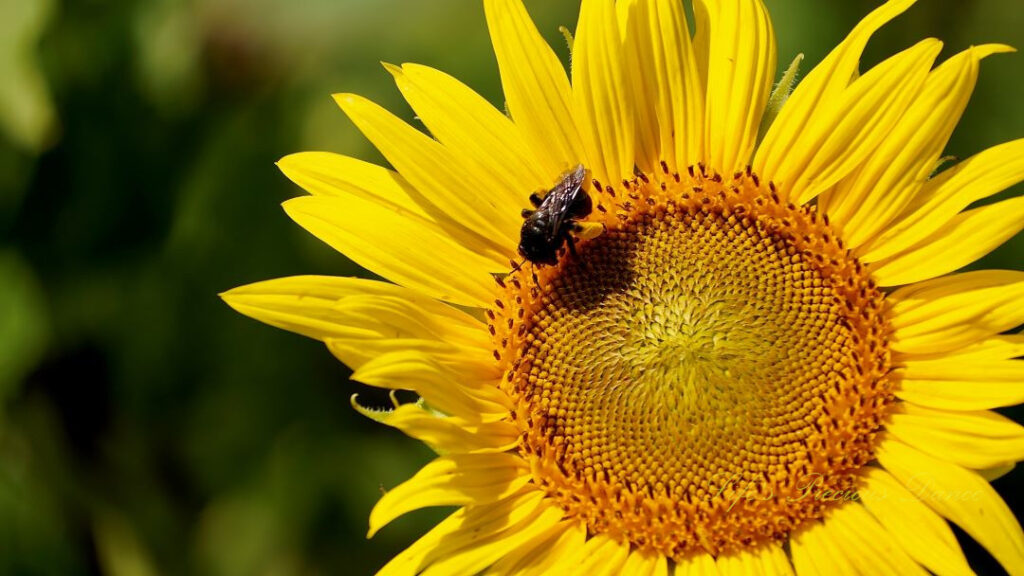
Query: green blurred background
x=147 y=429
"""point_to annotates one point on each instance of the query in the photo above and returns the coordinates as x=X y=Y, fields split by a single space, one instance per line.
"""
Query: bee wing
x=559 y=200
x=558 y=204
x=570 y=181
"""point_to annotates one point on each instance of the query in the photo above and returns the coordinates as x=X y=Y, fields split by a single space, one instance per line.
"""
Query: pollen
x=707 y=375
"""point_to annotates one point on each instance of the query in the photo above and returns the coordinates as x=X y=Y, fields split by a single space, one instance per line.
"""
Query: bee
x=556 y=218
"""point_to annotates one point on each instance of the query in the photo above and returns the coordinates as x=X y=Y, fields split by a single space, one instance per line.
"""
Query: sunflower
x=757 y=359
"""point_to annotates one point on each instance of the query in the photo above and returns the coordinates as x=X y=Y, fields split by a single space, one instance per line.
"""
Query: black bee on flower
x=557 y=219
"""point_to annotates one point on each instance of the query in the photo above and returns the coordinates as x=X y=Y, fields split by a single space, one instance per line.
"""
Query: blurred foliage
x=26 y=112
x=147 y=429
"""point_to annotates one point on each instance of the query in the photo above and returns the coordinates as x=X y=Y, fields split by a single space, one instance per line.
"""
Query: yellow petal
x=869 y=547
x=400 y=248
x=410 y=561
x=673 y=93
x=841 y=137
x=785 y=147
x=300 y=304
x=442 y=387
x=960 y=495
x=453 y=480
x=878 y=192
x=964 y=370
x=775 y=562
x=702 y=49
x=603 y=109
x=954 y=311
x=443 y=183
x=817 y=550
x=327 y=174
x=599 y=555
x=471 y=551
x=397 y=315
x=464 y=526
x=697 y=564
x=1001 y=347
x=962 y=384
x=740 y=71
x=445 y=435
x=942 y=197
x=916 y=528
x=640 y=82
x=961 y=395
x=308 y=305
x=767 y=560
x=537 y=91
x=360 y=319
x=476 y=133
x=602 y=556
x=641 y=564
x=372 y=318
x=537 y=559
x=966 y=238
x=993 y=474
x=973 y=439
x=356 y=352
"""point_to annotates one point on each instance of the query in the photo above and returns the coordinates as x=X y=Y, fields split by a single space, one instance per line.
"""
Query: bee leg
x=588 y=230
x=535 y=199
x=572 y=247
x=527 y=213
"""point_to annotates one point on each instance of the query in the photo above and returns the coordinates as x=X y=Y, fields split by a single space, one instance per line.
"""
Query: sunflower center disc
x=709 y=374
